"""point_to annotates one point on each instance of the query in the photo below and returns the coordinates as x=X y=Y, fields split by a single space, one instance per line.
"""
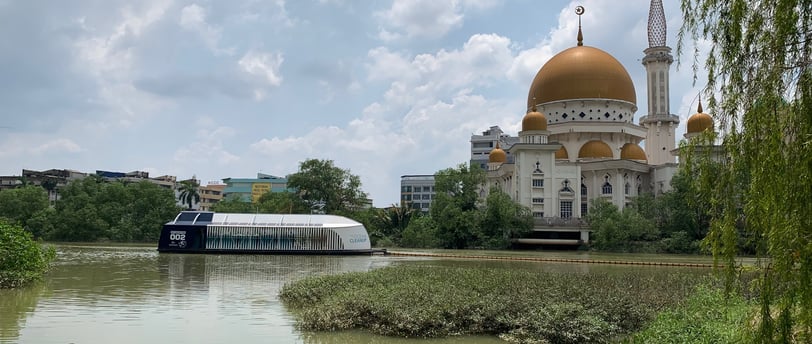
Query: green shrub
x=517 y=305
x=22 y=260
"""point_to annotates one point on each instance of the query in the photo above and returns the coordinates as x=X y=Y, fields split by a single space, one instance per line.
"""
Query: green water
x=125 y=294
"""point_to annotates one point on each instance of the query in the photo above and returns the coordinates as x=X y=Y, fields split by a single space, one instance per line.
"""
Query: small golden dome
x=632 y=151
x=497 y=155
x=581 y=72
x=534 y=120
x=595 y=149
x=561 y=153
x=699 y=121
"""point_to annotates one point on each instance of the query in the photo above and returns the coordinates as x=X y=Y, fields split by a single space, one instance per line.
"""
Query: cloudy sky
x=220 y=89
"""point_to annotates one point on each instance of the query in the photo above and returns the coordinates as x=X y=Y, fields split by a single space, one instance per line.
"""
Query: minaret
x=659 y=121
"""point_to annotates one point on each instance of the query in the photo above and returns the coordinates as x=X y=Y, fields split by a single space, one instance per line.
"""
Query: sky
x=219 y=89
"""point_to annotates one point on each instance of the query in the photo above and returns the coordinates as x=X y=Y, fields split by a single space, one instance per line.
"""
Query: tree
x=392 y=221
x=454 y=209
x=503 y=220
x=624 y=231
x=189 y=193
x=22 y=260
x=326 y=187
x=20 y=204
x=234 y=204
x=759 y=64
x=421 y=232
x=284 y=202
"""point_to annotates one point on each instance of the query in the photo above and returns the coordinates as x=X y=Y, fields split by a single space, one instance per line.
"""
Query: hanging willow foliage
x=759 y=85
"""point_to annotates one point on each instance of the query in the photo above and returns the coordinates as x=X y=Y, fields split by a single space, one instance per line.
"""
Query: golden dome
x=699 y=121
x=632 y=151
x=561 y=153
x=595 y=149
x=581 y=72
x=534 y=120
x=497 y=155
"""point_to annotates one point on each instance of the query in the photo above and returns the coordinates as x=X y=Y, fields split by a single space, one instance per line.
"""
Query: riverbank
x=518 y=306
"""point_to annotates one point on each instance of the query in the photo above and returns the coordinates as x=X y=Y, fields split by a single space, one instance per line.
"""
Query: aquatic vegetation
x=22 y=260
x=517 y=305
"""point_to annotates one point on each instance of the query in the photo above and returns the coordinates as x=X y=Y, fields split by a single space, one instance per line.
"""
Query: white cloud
x=57 y=145
x=193 y=18
x=26 y=145
x=263 y=67
x=425 y=18
x=483 y=59
x=207 y=147
x=106 y=55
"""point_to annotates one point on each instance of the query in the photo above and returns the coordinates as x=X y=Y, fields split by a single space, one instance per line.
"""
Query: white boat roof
x=283 y=220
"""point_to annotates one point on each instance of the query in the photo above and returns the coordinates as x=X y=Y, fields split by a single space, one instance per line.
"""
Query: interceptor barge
x=209 y=232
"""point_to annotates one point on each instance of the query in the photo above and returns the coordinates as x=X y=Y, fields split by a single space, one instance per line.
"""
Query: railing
x=561 y=222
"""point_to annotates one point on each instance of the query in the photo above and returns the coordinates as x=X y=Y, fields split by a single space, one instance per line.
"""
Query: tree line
x=92 y=209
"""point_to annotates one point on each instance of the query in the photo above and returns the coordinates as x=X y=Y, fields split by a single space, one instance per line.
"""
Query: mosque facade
x=579 y=140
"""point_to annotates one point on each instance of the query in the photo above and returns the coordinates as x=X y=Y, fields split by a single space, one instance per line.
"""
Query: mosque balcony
x=672 y=118
x=572 y=222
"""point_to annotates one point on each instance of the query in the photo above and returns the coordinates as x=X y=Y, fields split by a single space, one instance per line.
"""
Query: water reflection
x=14 y=306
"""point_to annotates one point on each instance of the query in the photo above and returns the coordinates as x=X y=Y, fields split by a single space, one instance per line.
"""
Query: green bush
x=517 y=305
x=22 y=260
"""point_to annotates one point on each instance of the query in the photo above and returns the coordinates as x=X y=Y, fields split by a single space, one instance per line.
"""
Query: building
x=167 y=182
x=251 y=189
x=579 y=141
x=417 y=191
x=210 y=195
x=51 y=180
x=481 y=145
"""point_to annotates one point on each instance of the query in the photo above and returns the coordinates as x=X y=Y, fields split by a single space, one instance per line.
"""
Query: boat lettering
x=357 y=240
x=177 y=235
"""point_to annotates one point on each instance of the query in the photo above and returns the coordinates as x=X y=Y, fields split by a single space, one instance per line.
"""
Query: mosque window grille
x=566 y=209
x=606 y=189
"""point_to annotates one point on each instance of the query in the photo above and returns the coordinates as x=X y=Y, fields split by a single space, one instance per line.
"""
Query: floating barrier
x=551 y=260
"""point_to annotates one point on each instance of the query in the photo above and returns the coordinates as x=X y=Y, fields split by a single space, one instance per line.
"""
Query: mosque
x=579 y=141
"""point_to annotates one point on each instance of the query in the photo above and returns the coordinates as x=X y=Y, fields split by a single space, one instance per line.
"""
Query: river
x=125 y=294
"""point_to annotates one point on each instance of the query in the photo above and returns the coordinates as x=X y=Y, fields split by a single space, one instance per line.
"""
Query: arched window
x=627 y=188
x=606 y=189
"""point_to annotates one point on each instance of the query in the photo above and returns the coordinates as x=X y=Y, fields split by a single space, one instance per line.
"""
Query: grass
x=516 y=305
x=707 y=317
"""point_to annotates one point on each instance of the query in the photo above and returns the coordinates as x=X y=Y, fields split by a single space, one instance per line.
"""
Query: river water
x=101 y=294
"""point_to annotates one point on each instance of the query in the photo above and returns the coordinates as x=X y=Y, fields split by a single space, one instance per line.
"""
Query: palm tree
x=188 y=192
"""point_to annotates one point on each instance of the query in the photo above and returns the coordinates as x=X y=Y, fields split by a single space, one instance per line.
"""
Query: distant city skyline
x=229 y=89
